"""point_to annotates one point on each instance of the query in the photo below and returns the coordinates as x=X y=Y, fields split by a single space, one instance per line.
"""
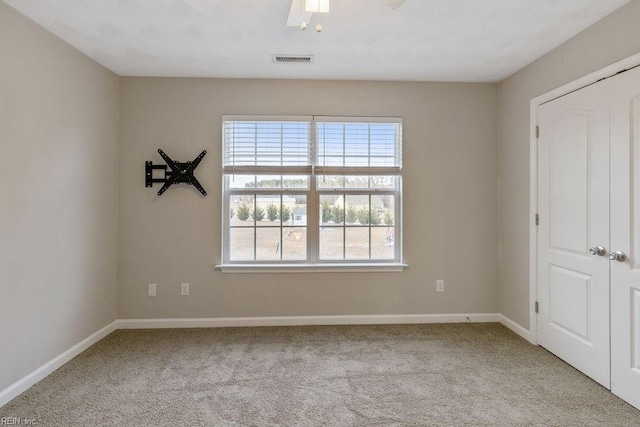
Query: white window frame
x=313 y=263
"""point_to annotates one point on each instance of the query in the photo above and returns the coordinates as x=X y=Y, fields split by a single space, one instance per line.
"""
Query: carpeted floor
x=466 y=374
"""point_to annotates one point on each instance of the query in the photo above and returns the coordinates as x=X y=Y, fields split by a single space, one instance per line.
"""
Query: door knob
x=618 y=256
x=598 y=250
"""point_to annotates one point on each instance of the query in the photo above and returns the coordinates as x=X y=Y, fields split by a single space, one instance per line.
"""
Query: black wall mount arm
x=174 y=173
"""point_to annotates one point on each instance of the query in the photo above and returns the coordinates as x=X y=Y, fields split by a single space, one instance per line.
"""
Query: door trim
x=608 y=71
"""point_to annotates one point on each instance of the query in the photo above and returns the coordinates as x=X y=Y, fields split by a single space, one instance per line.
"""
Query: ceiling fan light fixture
x=316 y=6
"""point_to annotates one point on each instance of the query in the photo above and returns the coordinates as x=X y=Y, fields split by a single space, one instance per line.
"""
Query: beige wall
x=58 y=197
x=614 y=38
x=450 y=203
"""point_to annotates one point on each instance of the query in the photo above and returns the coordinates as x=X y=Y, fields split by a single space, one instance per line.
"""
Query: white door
x=573 y=205
x=625 y=236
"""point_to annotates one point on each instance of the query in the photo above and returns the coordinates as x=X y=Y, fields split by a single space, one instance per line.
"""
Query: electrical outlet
x=439 y=285
x=184 y=289
x=151 y=290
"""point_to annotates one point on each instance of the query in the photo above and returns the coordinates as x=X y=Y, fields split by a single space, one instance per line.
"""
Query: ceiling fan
x=299 y=16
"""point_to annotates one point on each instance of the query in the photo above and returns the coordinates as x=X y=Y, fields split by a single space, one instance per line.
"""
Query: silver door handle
x=598 y=250
x=618 y=256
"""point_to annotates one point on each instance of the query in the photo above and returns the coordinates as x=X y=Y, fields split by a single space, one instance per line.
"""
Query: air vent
x=292 y=59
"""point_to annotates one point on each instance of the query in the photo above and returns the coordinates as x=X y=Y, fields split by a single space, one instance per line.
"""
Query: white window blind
x=264 y=147
x=358 y=148
x=332 y=145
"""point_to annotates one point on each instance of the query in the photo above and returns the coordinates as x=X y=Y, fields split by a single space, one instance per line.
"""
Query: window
x=311 y=190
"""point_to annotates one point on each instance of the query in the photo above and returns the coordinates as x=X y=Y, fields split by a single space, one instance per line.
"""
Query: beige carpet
x=469 y=374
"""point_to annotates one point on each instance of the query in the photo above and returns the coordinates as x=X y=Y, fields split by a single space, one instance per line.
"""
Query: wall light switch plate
x=151 y=290
x=439 y=285
x=184 y=289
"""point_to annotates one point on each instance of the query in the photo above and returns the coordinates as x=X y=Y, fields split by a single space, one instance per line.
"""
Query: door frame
x=603 y=73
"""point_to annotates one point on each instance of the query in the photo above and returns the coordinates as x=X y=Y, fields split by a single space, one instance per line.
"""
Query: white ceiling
x=424 y=40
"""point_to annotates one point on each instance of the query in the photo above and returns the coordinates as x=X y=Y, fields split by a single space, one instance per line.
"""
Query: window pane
x=385 y=181
x=388 y=210
x=294 y=243
x=352 y=182
x=282 y=181
x=294 y=210
x=267 y=244
x=331 y=243
x=241 y=210
x=238 y=181
x=268 y=210
x=357 y=243
x=379 y=204
x=357 y=211
x=331 y=209
x=241 y=181
x=268 y=181
x=241 y=244
x=383 y=243
x=330 y=181
x=295 y=181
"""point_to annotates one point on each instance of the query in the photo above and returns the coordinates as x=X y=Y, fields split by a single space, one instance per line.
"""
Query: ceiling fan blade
x=297 y=14
x=393 y=4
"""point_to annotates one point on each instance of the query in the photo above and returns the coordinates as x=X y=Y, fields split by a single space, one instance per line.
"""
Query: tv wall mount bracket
x=174 y=173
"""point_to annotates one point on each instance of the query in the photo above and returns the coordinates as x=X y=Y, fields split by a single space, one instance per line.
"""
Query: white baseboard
x=45 y=370
x=384 y=319
x=524 y=333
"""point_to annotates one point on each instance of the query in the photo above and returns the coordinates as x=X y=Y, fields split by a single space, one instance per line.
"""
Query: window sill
x=394 y=267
